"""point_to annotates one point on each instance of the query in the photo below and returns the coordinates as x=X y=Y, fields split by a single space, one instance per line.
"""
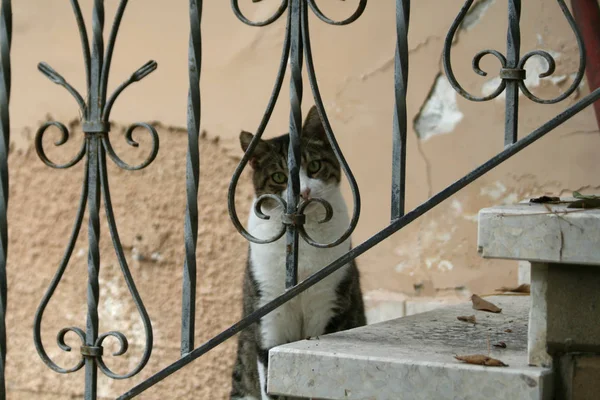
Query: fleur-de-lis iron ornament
x=512 y=72
x=96 y=112
x=296 y=46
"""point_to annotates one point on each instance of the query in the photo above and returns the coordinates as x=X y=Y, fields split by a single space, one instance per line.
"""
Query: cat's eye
x=279 y=177
x=314 y=167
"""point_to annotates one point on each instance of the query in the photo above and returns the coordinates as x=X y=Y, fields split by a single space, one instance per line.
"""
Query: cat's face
x=319 y=170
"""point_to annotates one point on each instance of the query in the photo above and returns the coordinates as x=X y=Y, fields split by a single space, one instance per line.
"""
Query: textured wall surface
x=448 y=137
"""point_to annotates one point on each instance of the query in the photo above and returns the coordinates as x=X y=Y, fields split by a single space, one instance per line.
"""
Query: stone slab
x=537 y=348
x=412 y=358
x=540 y=233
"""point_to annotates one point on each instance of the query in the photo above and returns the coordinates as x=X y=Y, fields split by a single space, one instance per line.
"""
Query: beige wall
x=355 y=69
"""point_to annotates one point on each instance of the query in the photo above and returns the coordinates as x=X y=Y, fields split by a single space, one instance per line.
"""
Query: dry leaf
x=480 y=359
x=508 y=330
x=524 y=288
x=470 y=318
x=500 y=345
x=545 y=199
x=483 y=305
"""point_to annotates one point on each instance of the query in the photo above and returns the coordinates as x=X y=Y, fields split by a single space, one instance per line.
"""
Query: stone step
x=548 y=233
x=412 y=358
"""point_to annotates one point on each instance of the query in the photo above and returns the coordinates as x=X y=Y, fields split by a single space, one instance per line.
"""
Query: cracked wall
x=436 y=256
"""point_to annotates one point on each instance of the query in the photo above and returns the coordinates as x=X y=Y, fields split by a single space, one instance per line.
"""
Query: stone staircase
x=552 y=337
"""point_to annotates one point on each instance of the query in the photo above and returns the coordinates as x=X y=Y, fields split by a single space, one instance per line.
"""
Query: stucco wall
x=448 y=137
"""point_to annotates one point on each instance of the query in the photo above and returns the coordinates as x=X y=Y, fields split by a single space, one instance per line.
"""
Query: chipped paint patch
x=440 y=114
x=512 y=198
x=472 y=218
x=439 y=264
x=475 y=14
x=445 y=266
x=400 y=268
x=457 y=207
x=494 y=192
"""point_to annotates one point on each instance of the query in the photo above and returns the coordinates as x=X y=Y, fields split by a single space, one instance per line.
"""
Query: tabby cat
x=332 y=305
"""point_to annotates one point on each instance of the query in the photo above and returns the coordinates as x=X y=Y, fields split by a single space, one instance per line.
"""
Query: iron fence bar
x=297 y=9
x=97 y=145
x=93 y=290
x=5 y=86
x=94 y=114
x=188 y=312
x=400 y=111
x=513 y=41
x=394 y=227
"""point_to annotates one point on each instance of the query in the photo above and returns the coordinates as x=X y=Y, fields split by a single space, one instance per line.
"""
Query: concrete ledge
x=413 y=358
x=540 y=233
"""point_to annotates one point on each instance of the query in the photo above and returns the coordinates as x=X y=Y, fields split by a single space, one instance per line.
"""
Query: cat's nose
x=305 y=194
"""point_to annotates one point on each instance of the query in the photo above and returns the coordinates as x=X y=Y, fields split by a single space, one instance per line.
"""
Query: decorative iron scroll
x=297 y=45
x=512 y=70
x=97 y=145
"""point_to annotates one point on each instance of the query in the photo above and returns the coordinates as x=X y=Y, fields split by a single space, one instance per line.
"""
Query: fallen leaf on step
x=508 y=330
x=524 y=288
x=484 y=305
x=545 y=199
x=578 y=195
x=470 y=318
x=500 y=345
x=585 y=203
x=480 y=359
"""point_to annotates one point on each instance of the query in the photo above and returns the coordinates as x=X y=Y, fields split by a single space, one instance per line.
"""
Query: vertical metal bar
x=94 y=111
x=587 y=15
x=511 y=116
x=5 y=81
x=192 y=180
x=400 y=113
x=93 y=290
x=297 y=7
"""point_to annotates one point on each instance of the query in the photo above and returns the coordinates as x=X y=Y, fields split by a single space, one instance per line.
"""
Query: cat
x=332 y=305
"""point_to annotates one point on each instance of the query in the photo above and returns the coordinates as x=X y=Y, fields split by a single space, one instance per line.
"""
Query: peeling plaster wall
x=448 y=136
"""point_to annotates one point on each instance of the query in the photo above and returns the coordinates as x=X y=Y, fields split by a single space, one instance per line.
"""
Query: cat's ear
x=261 y=149
x=313 y=127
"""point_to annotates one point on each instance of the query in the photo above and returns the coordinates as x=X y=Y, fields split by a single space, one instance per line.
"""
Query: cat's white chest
x=309 y=313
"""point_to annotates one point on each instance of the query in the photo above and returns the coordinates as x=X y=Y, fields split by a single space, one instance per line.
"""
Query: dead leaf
x=480 y=359
x=508 y=330
x=578 y=195
x=545 y=199
x=470 y=318
x=524 y=288
x=484 y=305
x=500 y=345
x=585 y=203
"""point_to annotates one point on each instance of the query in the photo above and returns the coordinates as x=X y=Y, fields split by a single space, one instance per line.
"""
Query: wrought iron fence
x=96 y=108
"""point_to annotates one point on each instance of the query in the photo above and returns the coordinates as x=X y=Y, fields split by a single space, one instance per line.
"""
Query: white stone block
x=540 y=233
x=524 y=272
x=538 y=317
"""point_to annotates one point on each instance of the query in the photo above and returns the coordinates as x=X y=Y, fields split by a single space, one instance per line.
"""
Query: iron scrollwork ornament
x=95 y=112
x=513 y=66
x=296 y=45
